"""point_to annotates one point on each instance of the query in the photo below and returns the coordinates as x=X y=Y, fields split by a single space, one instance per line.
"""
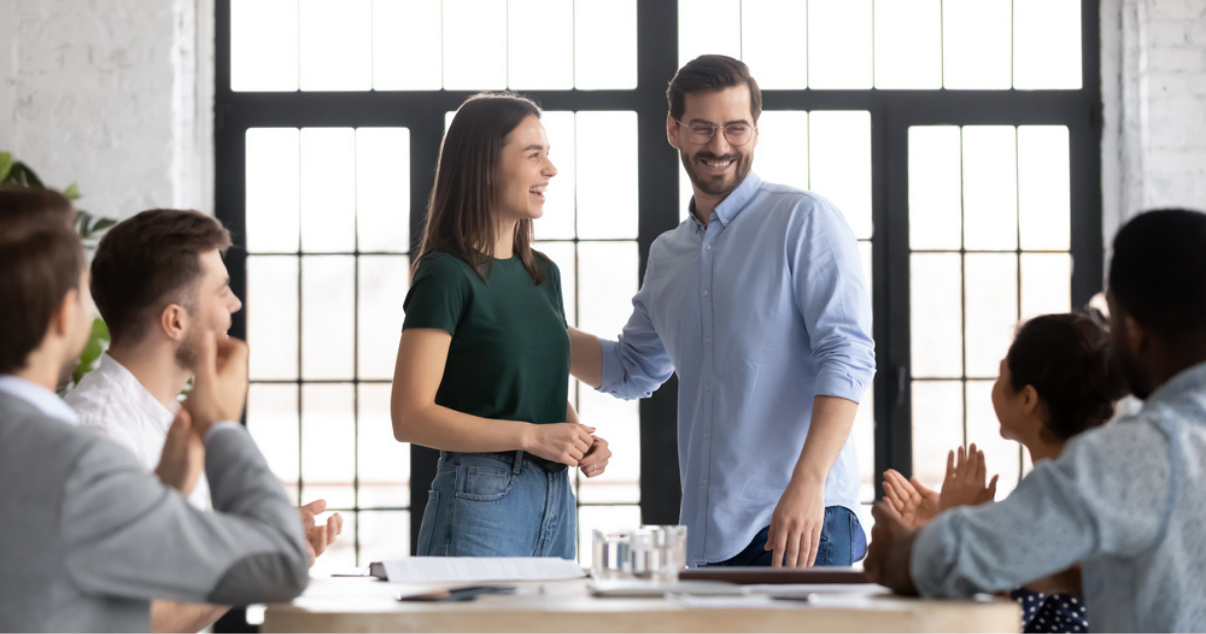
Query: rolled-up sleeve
x=832 y=297
x=1108 y=494
x=636 y=364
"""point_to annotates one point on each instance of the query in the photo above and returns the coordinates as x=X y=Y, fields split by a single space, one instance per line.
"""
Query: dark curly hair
x=1066 y=357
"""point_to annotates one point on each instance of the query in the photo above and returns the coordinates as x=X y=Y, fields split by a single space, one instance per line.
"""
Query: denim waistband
x=516 y=458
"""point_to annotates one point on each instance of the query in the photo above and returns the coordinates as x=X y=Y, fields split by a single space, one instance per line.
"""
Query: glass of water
x=612 y=555
x=659 y=553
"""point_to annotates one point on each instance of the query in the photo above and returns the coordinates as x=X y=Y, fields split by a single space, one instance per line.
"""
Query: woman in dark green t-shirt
x=483 y=365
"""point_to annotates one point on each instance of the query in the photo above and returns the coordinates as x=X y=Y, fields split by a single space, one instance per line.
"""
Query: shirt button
x=705 y=482
x=705 y=293
x=708 y=341
x=709 y=247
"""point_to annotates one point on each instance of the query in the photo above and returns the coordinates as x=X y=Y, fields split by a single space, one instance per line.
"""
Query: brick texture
x=91 y=94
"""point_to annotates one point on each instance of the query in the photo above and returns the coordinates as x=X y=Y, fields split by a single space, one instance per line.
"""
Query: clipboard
x=762 y=575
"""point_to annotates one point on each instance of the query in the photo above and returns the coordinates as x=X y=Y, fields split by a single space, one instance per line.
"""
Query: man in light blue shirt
x=758 y=302
x=1127 y=500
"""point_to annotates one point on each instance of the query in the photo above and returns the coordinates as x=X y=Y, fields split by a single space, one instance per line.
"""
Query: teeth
x=538 y=190
x=718 y=165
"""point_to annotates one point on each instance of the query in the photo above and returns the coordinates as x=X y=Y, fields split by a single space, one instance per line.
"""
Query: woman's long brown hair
x=461 y=217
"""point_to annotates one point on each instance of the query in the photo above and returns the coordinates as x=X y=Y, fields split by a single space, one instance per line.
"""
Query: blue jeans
x=842 y=543
x=492 y=505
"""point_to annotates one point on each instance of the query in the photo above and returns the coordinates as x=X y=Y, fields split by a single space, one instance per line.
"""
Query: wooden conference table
x=368 y=605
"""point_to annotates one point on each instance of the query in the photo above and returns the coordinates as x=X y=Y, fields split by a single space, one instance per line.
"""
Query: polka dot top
x=1051 y=613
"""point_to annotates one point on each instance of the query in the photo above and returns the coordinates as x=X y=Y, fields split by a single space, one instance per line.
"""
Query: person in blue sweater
x=1127 y=500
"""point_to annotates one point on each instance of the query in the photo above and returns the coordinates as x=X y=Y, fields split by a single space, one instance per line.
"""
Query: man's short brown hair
x=711 y=73
x=147 y=262
x=41 y=259
x=37 y=204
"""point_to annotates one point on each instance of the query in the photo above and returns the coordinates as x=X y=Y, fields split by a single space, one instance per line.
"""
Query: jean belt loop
x=518 y=466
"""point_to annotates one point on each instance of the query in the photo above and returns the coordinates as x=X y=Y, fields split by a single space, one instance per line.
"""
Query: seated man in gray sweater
x=89 y=536
x=1128 y=500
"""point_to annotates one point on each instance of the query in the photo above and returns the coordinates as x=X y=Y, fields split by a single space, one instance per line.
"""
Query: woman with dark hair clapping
x=1057 y=381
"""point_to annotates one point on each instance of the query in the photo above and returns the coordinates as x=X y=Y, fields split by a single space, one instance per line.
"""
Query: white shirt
x=46 y=401
x=113 y=403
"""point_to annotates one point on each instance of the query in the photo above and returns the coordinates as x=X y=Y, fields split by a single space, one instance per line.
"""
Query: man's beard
x=187 y=354
x=708 y=184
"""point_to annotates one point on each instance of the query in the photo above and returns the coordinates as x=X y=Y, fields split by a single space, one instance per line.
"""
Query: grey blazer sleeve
x=128 y=535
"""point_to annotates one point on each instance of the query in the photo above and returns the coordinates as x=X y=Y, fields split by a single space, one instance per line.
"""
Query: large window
x=960 y=138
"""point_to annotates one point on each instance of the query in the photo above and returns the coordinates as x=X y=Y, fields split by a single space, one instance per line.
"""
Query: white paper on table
x=751 y=601
x=818 y=588
x=457 y=569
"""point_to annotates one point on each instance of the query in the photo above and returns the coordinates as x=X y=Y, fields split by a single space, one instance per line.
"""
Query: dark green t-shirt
x=509 y=358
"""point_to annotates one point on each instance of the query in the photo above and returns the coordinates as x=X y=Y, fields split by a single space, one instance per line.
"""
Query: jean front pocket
x=428 y=525
x=482 y=483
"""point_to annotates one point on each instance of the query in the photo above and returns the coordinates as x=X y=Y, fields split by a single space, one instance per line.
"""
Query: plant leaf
x=22 y=175
x=97 y=344
x=6 y=165
x=72 y=192
x=100 y=329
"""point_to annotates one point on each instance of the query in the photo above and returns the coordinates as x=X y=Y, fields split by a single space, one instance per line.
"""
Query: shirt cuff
x=839 y=384
x=218 y=427
x=612 y=372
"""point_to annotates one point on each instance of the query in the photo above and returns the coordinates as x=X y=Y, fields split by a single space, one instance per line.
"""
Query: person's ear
x=174 y=321
x=672 y=131
x=64 y=317
x=1030 y=400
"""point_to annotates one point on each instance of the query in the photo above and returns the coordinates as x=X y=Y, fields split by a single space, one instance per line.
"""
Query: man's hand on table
x=795 y=530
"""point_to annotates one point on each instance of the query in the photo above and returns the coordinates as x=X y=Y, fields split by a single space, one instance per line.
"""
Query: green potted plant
x=90 y=228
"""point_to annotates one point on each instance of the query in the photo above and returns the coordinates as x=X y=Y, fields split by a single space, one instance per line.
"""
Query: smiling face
x=1009 y=405
x=211 y=309
x=524 y=171
x=717 y=167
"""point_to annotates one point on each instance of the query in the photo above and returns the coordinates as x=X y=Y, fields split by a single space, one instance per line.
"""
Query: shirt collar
x=1192 y=379
x=733 y=204
x=114 y=371
x=43 y=399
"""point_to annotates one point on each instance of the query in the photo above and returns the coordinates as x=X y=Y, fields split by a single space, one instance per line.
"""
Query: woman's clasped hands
x=571 y=444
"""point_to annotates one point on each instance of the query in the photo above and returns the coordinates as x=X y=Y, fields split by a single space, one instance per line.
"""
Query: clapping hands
x=913 y=503
x=964 y=483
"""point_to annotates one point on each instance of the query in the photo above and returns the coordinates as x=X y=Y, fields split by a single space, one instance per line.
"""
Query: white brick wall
x=108 y=94
x=1154 y=153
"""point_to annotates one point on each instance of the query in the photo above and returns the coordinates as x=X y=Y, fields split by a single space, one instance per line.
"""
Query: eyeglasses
x=737 y=134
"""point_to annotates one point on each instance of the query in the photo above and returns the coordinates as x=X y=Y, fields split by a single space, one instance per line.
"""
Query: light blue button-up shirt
x=758 y=312
x=1128 y=500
